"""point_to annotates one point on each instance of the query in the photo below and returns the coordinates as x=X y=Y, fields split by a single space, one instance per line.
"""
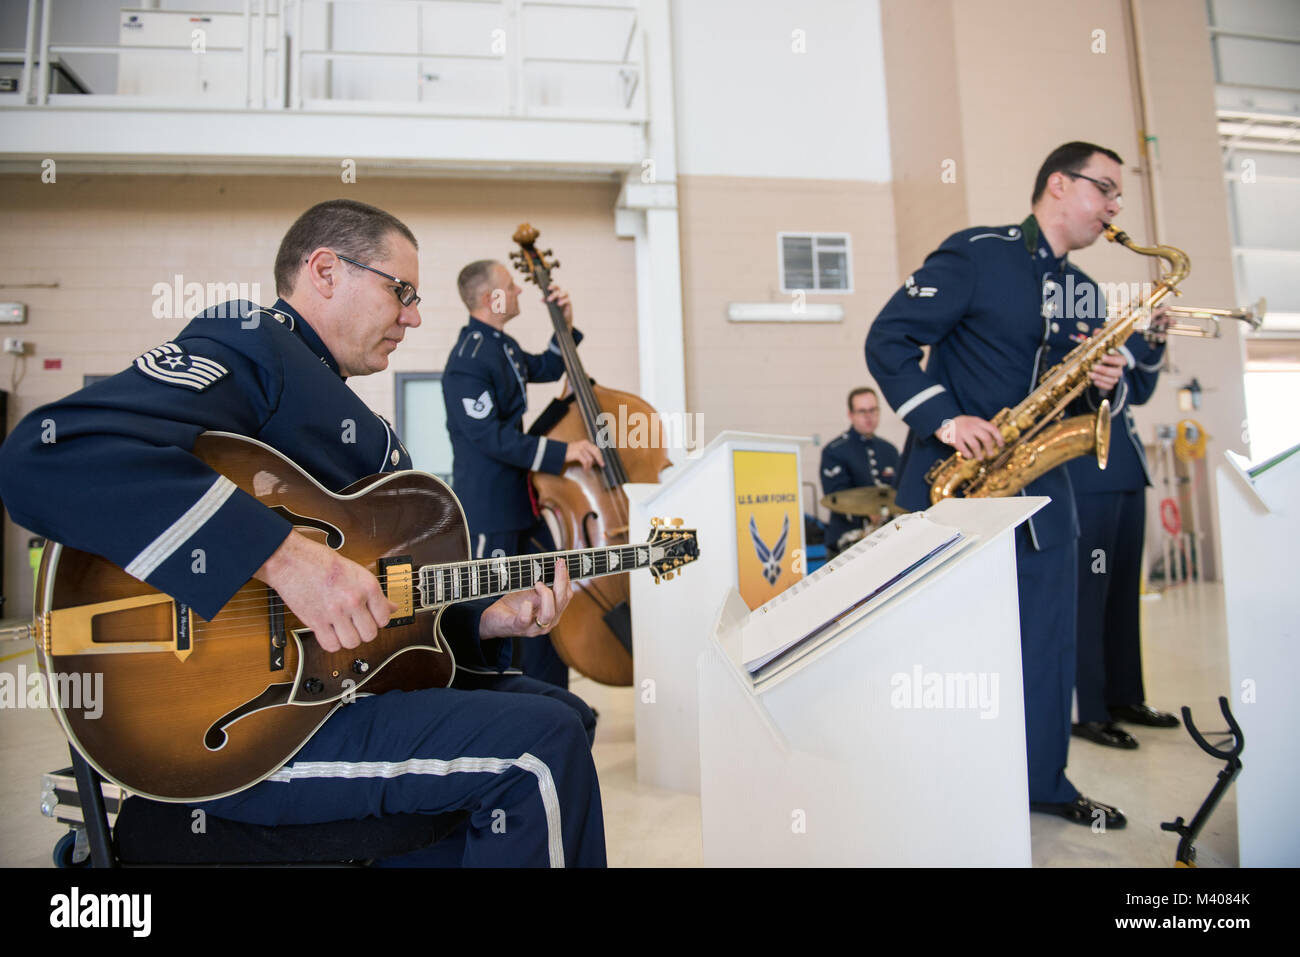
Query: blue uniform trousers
x=1112 y=526
x=535 y=657
x=519 y=762
x=1046 y=585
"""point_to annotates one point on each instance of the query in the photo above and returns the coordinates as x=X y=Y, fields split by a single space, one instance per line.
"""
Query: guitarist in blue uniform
x=485 y=388
x=346 y=274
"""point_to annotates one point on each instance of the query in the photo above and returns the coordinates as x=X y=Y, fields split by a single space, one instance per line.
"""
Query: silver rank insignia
x=479 y=408
x=171 y=364
x=913 y=290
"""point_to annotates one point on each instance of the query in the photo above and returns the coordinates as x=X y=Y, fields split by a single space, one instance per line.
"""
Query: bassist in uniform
x=485 y=388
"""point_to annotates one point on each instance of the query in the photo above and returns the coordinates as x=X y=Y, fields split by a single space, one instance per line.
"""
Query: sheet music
x=806 y=609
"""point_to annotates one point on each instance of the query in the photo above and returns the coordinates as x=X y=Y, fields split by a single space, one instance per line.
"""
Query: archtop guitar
x=176 y=708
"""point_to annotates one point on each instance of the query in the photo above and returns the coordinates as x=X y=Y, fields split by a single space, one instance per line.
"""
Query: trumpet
x=1204 y=323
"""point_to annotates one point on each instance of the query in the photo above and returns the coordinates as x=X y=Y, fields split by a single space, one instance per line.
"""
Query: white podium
x=672 y=622
x=1259 y=523
x=846 y=757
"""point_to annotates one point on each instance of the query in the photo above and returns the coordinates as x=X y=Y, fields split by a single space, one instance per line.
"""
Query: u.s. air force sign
x=769 y=528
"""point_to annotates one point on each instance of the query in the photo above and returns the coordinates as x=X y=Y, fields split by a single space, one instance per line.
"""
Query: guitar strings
x=257 y=596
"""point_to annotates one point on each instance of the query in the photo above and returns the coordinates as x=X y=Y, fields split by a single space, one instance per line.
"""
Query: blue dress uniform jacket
x=266 y=374
x=484 y=386
x=990 y=302
x=263 y=373
x=852 y=460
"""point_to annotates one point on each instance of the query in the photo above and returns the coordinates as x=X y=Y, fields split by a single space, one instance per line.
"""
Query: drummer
x=854 y=459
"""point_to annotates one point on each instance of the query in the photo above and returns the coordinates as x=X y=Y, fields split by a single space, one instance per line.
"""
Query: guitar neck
x=490 y=577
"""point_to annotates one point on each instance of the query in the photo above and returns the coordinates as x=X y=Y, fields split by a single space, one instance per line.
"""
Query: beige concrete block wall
x=779 y=377
x=925 y=131
x=106 y=240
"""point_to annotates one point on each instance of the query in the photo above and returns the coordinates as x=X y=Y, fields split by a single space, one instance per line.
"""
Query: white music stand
x=1259 y=526
x=672 y=622
x=824 y=763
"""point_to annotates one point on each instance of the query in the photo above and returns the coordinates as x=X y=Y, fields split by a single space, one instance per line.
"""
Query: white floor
x=1186 y=663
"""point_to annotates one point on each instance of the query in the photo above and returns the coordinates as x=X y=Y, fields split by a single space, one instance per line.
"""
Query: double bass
x=589 y=506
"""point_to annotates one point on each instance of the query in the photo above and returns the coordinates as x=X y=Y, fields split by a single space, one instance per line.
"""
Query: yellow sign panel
x=769 y=528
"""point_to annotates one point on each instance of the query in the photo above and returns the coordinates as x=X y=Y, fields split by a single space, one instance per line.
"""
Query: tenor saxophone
x=1038 y=437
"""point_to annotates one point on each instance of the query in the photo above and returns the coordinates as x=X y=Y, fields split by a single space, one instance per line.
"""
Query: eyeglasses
x=404 y=291
x=1107 y=188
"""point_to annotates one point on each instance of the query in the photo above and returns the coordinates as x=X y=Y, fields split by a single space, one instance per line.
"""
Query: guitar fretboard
x=488 y=577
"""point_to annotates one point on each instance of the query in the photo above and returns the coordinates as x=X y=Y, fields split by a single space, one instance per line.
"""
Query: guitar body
x=176 y=708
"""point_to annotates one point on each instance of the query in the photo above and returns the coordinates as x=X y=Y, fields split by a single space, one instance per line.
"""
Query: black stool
x=154 y=833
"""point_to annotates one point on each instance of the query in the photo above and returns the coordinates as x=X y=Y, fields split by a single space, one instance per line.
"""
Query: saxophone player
x=990 y=302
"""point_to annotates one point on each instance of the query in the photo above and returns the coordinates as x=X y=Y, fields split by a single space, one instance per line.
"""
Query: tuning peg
x=656 y=522
x=656 y=580
x=675 y=523
x=669 y=575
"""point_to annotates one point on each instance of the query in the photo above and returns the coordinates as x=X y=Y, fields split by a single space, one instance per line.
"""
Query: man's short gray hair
x=474 y=280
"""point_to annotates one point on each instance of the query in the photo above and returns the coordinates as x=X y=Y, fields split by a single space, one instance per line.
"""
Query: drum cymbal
x=867 y=500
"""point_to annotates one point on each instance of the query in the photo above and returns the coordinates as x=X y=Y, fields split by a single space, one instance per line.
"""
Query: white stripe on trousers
x=307 y=770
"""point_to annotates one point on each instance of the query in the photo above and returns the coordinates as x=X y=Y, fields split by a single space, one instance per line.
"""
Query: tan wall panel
x=925 y=131
x=106 y=240
x=779 y=377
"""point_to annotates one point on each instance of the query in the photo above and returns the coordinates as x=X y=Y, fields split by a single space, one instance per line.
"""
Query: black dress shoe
x=1107 y=733
x=1143 y=714
x=1083 y=810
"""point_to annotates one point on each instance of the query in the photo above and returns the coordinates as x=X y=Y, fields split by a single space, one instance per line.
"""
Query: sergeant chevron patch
x=171 y=364
x=479 y=408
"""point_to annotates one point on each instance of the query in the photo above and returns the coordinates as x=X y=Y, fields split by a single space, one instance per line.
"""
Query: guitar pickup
x=397 y=578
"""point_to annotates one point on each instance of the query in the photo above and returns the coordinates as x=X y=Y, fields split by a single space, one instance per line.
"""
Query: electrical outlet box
x=16 y=346
x=14 y=312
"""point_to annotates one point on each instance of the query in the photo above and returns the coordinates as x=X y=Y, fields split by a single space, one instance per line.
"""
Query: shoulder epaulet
x=471 y=340
x=1008 y=234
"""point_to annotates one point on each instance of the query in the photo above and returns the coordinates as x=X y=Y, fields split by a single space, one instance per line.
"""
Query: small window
x=422 y=422
x=815 y=262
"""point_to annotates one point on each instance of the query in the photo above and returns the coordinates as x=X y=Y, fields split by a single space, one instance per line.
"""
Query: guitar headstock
x=671 y=547
x=534 y=264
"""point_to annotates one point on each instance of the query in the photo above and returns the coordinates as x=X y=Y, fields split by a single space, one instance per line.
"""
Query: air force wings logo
x=479 y=408
x=832 y=472
x=770 y=557
x=171 y=364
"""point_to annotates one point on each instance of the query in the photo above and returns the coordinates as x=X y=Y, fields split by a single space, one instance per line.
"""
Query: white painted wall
x=748 y=105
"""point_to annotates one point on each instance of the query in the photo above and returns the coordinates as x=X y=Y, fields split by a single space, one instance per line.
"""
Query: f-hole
x=333 y=534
